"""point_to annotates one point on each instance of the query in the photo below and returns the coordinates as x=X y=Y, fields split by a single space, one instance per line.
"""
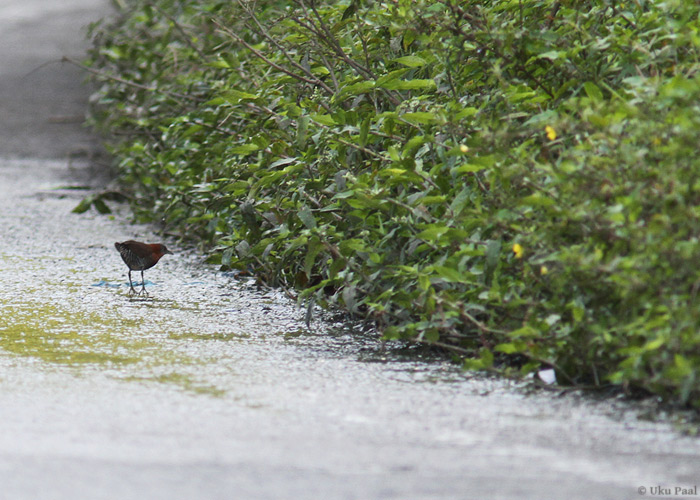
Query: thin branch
x=479 y=324
x=216 y=127
x=449 y=347
x=359 y=148
x=178 y=27
x=365 y=49
x=326 y=35
x=323 y=33
x=107 y=76
x=269 y=62
x=331 y=71
x=335 y=137
x=262 y=31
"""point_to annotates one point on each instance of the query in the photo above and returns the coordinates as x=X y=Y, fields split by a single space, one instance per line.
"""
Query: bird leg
x=143 y=285
x=131 y=284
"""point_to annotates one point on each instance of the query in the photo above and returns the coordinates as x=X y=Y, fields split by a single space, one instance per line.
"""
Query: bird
x=140 y=256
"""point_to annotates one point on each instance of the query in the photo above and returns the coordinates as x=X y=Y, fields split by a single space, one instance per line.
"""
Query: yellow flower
x=518 y=251
x=543 y=270
x=551 y=133
x=463 y=148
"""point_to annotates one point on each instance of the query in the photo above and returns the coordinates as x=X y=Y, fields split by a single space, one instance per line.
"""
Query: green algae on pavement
x=60 y=336
x=183 y=381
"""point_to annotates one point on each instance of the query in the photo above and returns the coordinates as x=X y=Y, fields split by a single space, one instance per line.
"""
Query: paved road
x=212 y=388
x=41 y=99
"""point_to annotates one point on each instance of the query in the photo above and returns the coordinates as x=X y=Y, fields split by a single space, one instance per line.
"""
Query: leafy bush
x=510 y=179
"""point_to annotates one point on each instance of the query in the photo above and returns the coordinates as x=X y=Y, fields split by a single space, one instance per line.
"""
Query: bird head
x=160 y=250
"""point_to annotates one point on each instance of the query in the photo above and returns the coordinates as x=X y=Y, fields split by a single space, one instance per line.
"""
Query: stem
x=102 y=74
x=178 y=27
x=296 y=76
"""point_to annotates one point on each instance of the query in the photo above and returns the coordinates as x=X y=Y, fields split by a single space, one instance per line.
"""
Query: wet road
x=213 y=388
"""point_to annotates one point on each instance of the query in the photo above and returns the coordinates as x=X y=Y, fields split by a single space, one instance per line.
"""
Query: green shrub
x=518 y=179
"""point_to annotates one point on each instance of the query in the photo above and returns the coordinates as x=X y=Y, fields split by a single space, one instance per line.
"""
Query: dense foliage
x=515 y=179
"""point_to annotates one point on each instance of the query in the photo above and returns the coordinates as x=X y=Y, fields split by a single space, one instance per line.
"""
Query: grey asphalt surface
x=42 y=99
x=213 y=388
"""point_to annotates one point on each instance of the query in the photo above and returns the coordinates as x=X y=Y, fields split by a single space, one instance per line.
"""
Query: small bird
x=139 y=256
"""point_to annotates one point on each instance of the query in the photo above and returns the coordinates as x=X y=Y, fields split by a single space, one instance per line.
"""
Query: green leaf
x=408 y=38
x=423 y=282
x=83 y=206
x=466 y=113
x=394 y=155
x=432 y=200
x=432 y=233
x=413 y=144
x=219 y=63
x=236 y=96
x=419 y=118
x=314 y=248
x=302 y=128
x=577 y=311
x=449 y=274
x=307 y=217
x=427 y=84
x=357 y=88
x=101 y=206
x=593 y=91
x=349 y=11
x=243 y=249
x=349 y=297
x=351 y=246
x=324 y=120
x=226 y=257
x=537 y=200
x=460 y=201
x=469 y=168
x=476 y=164
x=493 y=253
x=507 y=348
x=411 y=61
x=344 y=194
x=364 y=131
x=683 y=365
x=390 y=77
x=281 y=162
x=544 y=118
x=484 y=362
x=338 y=265
x=191 y=130
x=244 y=149
x=524 y=332
x=653 y=345
x=552 y=55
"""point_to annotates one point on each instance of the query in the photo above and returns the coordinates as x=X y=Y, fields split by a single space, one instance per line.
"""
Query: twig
x=479 y=324
x=102 y=74
x=325 y=34
x=449 y=347
x=359 y=148
x=335 y=138
x=178 y=27
x=300 y=67
x=269 y=62
x=331 y=71
x=215 y=127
